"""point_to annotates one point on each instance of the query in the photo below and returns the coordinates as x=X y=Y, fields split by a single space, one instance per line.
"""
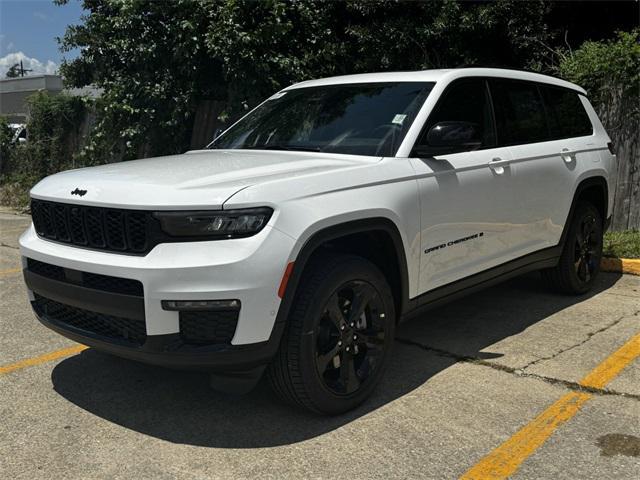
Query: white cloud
x=41 y=16
x=29 y=63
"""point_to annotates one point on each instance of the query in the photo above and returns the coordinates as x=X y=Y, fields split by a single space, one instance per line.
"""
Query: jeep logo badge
x=77 y=191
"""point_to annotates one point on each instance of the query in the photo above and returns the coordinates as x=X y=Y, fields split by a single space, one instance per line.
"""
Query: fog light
x=192 y=305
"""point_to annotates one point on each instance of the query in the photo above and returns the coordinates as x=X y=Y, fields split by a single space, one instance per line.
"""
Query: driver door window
x=466 y=101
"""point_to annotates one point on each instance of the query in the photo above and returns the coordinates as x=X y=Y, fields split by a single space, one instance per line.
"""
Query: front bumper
x=248 y=269
x=168 y=350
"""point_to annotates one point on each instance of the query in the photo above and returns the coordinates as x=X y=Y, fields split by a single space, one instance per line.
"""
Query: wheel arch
x=593 y=189
x=389 y=256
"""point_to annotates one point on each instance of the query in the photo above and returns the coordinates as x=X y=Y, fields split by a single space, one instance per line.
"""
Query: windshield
x=357 y=119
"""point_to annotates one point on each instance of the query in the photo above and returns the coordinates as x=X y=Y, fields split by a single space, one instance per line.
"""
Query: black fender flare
x=336 y=231
x=596 y=181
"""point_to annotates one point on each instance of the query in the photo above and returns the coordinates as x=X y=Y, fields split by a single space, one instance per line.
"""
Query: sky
x=27 y=32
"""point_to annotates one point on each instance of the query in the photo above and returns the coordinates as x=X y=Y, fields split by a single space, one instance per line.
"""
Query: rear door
x=550 y=139
x=465 y=195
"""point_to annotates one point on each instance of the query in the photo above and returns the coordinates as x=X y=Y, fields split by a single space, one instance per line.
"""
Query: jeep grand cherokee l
x=298 y=239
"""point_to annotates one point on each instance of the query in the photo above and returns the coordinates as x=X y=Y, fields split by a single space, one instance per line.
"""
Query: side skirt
x=546 y=258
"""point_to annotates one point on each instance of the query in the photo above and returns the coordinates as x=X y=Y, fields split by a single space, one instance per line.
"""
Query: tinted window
x=359 y=119
x=520 y=115
x=463 y=101
x=565 y=113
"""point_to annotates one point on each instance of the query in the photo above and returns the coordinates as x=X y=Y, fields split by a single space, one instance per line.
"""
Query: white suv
x=300 y=237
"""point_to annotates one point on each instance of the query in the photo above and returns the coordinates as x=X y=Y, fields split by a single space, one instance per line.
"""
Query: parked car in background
x=19 y=133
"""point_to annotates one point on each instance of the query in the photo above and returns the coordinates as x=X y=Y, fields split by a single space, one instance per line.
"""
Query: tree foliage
x=610 y=72
x=14 y=71
x=53 y=137
x=158 y=61
x=607 y=68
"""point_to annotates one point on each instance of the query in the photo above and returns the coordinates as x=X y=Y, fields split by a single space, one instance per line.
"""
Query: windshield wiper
x=300 y=148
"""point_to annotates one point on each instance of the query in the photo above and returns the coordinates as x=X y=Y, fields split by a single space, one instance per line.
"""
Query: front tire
x=579 y=263
x=338 y=338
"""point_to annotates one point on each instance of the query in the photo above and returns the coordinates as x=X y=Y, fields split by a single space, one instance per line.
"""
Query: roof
x=437 y=76
x=31 y=83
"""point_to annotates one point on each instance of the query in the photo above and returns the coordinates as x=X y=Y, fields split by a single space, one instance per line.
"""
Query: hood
x=199 y=179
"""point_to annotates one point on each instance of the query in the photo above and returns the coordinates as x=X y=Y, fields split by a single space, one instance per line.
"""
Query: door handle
x=567 y=155
x=497 y=165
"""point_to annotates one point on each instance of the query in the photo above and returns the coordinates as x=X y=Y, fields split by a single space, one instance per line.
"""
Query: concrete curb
x=630 y=266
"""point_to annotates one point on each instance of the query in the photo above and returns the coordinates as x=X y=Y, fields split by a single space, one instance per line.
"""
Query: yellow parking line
x=505 y=460
x=10 y=271
x=47 y=357
x=613 y=365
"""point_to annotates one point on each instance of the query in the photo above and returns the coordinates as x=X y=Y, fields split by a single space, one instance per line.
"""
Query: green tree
x=14 y=71
x=610 y=72
x=160 y=62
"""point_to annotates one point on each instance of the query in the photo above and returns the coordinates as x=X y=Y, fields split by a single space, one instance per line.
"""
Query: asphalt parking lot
x=512 y=382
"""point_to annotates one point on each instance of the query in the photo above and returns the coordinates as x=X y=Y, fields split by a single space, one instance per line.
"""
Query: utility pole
x=23 y=70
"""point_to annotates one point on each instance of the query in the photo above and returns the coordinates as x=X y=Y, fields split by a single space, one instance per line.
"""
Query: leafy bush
x=610 y=72
x=5 y=142
x=54 y=137
x=622 y=244
x=598 y=65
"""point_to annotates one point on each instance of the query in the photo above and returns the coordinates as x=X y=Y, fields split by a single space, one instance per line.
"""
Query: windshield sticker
x=398 y=119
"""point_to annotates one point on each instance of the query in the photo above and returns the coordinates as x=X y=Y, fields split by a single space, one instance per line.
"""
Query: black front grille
x=123 y=231
x=208 y=328
x=96 y=281
x=125 y=330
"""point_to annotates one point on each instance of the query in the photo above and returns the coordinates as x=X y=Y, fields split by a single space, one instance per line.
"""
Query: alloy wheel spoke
x=335 y=314
x=583 y=270
x=362 y=297
x=587 y=228
x=576 y=264
x=374 y=339
x=324 y=359
x=348 y=375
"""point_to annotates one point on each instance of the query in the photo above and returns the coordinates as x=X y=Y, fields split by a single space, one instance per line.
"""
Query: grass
x=624 y=244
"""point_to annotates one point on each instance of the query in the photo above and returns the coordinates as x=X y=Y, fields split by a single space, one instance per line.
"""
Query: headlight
x=221 y=224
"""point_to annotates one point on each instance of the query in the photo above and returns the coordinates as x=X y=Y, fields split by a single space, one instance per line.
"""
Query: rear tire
x=579 y=263
x=338 y=338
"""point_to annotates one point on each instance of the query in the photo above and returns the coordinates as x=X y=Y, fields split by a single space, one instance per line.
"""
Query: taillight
x=611 y=148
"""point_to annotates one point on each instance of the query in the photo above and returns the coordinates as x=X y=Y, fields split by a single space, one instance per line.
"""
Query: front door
x=467 y=221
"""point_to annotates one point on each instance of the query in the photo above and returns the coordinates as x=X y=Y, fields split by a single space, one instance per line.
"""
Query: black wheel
x=580 y=261
x=338 y=338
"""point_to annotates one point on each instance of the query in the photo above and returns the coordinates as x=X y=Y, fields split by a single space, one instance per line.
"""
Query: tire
x=579 y=263
x=329 y=361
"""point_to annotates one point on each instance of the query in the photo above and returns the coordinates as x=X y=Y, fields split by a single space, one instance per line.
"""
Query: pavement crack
x=2 y=244
x=589 y=336
x=519 y=372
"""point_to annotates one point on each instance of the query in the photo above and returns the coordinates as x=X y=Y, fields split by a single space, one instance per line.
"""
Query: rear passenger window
x=565 y=112
x=520 y=115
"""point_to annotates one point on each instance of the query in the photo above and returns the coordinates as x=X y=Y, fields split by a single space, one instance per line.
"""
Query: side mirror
x=454 y=134
x=450 y=137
